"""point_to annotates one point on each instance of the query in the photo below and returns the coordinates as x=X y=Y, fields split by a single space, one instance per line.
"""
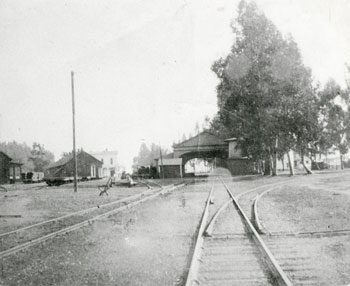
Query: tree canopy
x=265 y=94
x=33 y=159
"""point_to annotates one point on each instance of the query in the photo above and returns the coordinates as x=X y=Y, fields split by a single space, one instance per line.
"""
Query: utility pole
x=161 y=160
x=74 y=151
x=0 y=126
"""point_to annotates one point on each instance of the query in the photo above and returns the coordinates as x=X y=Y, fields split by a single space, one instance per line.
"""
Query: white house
x=283 y=164
x=331 y=158
x=110 y=165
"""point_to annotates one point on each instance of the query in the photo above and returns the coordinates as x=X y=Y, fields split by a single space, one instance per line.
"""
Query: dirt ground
x=317 y=211
x=151 y=244
x=148 y=245
x=38 y=202
x=316 y=203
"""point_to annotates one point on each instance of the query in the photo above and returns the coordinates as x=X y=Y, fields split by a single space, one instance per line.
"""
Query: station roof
x=204 y=138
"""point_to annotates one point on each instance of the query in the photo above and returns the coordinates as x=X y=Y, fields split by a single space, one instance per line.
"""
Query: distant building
x=331 y=159
x=110 y=165
x=89 y=167
x=10 y=171
x=170 y=168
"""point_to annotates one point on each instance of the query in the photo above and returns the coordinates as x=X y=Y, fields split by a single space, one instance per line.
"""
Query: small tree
x=40 y=157
x=335 y=118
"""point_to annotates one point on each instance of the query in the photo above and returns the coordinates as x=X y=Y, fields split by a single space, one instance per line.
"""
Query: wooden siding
x=84 y=161
x=240 y=166
x=4 y=168
x=170 y=171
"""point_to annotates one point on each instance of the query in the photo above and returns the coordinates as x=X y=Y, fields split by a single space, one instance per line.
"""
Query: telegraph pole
x=161 y=160
x=74 y=151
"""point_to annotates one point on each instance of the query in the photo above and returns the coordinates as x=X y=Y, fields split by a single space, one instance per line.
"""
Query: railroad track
x=296 y=252
x=150 y=184
x=25 y=237
x=234 y=253
x=233 y=249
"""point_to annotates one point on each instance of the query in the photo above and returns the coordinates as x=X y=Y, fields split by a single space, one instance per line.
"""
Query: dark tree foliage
x=265 y=94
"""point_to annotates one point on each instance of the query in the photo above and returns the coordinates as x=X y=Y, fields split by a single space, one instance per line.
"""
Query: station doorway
x=197 y=167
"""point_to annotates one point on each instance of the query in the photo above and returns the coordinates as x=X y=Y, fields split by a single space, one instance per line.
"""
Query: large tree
x=265 y=94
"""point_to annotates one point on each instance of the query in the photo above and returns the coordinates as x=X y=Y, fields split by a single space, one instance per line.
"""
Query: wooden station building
x=205 y=145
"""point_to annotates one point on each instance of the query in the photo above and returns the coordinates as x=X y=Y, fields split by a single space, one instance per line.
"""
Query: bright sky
x=142 y=68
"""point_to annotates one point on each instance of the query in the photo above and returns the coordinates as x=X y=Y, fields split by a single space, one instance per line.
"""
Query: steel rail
x=276 y=269
x=33 y=242
x=262 y=229
x=325 y=233
x=255 y=217
x=193 y=270
x=256 y=188
x=75 y=213
x=153 y=182
x=146 y=184
x=210 y=227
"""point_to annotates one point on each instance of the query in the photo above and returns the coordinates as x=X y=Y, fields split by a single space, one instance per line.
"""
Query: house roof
x=6 y=155
x=63 y=161
x=204 y=138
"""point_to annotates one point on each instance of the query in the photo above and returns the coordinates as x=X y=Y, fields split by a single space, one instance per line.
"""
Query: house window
x=111 y=161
